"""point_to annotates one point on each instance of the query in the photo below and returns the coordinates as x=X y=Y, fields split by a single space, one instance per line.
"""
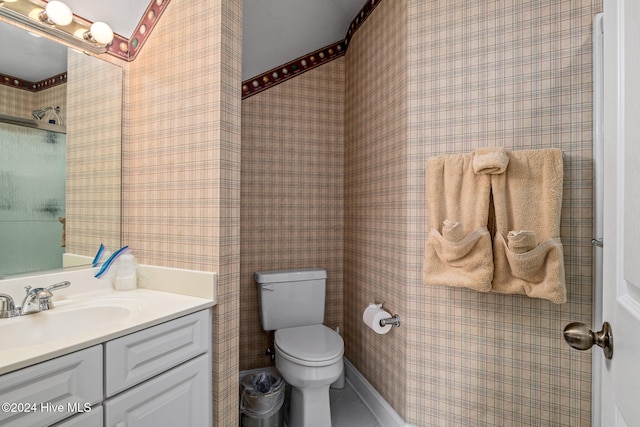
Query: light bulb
x=100 y=33
x=56 y=13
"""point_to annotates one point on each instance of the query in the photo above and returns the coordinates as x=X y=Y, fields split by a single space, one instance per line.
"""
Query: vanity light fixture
x=100 y=33
x=56 y=19
x=56 y=13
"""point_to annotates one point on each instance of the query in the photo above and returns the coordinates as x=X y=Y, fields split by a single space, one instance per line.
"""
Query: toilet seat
x=313 y=345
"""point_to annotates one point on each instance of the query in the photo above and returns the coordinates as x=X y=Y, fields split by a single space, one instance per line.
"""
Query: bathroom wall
x=428 y=78
x=435 y=77
x=94 y=152
x=16 y=102
x=20 y=102
x=292 y=193
x=376 y=214
x=518 y=75
x=181 y=163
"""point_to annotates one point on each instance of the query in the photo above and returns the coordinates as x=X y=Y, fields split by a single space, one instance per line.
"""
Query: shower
x=39 y=114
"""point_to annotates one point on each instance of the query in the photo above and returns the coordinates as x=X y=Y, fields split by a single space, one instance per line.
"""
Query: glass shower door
x=32 y=198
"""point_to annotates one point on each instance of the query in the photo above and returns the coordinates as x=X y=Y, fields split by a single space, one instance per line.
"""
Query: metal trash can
x=262 y=399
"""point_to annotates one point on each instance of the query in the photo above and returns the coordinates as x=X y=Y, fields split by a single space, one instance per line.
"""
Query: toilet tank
x=290 y=298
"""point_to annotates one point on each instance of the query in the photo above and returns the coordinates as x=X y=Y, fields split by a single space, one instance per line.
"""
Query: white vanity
x=106 y=358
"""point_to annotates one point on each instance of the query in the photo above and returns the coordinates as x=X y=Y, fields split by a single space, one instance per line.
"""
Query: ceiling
x=277 y=31
x=274 y=32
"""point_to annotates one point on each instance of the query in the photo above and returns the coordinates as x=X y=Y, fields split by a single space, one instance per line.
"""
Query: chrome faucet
x=7 y=307
x=39 y=299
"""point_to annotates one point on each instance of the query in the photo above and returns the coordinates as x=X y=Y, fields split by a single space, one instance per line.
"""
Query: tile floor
x=347 y=410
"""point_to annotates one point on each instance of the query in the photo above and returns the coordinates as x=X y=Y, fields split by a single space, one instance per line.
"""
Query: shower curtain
x=32 y=197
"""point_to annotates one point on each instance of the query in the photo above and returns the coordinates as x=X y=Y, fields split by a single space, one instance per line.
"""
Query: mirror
x=85 y=162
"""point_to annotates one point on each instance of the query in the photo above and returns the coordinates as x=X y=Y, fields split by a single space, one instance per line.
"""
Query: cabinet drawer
x=48 y=392
x=180 y=397
x=88 y=419
x=134 y=358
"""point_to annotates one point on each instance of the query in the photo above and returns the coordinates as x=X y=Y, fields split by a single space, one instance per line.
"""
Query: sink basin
x=59 y=324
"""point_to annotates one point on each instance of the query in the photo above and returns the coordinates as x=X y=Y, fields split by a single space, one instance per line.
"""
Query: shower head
x=39 y=114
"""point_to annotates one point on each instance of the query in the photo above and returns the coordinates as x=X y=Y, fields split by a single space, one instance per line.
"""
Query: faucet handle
x=57 y=286
x=39 y=299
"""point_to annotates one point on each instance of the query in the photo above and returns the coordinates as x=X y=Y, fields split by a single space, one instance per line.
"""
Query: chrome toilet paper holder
x=393 y=320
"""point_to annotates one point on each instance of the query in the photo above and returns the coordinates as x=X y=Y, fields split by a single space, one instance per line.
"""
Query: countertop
x=80 y=315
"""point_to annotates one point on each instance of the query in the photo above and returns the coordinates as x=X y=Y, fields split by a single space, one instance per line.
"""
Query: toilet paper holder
x=393 y=320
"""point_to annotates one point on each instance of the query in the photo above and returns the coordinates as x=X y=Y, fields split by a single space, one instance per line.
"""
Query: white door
x=621 y=265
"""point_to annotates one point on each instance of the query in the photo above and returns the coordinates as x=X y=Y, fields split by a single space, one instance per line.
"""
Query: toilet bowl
x=309 y=358
x=309 y=355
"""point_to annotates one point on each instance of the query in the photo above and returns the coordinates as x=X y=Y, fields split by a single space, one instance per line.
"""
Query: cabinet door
x=180 y=397
x=137 y=357
x=88 y=419
x=43 y=394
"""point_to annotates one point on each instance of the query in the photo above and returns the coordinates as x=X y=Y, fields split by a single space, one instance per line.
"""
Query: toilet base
x=310 y=407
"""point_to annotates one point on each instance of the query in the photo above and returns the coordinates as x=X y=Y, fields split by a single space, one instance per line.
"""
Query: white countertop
x=91 y=312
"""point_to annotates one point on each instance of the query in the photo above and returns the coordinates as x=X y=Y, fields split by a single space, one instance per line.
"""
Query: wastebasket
x=262 y=398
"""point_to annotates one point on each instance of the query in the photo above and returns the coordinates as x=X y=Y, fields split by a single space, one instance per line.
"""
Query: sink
x=59 y=324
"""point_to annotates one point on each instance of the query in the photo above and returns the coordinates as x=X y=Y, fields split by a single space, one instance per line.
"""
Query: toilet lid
x=314 y=343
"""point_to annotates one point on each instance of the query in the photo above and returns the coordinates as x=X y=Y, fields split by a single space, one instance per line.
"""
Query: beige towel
x=527 y=250
x=452 y=231
x=490 y=161
x=522 y=241
x=458 y=254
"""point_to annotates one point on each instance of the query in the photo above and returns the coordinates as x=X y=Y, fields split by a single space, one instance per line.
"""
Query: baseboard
x=379 y=407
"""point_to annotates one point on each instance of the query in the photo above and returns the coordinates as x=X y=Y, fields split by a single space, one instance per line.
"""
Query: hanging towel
x=458 y=248
x=490 y=161
x=527 y=250
x=452 y=231
x=522 y=241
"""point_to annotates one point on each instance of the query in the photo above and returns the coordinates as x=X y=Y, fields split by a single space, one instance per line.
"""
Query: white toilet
x=308 y=354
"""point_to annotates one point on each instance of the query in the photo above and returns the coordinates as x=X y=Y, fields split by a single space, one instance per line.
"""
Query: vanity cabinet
x=88 y=419
x=48 y=392
x=181 y=396
x=160 y=376
x=137 y=357
x=175 y=398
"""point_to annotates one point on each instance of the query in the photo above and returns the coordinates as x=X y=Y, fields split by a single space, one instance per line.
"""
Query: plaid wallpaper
x=20 y=103
x=376 y=215
x=518 y=75
x=181 y=163
x=16 y=102
x=292 y=192
x=94 y=121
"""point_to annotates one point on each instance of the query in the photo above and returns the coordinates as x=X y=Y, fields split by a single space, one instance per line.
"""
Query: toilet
x=309 y=355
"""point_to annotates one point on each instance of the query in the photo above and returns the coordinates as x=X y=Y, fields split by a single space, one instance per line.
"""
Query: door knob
x=579 y=336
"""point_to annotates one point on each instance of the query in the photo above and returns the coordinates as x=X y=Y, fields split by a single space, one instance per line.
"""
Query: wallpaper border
x=298 y=66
